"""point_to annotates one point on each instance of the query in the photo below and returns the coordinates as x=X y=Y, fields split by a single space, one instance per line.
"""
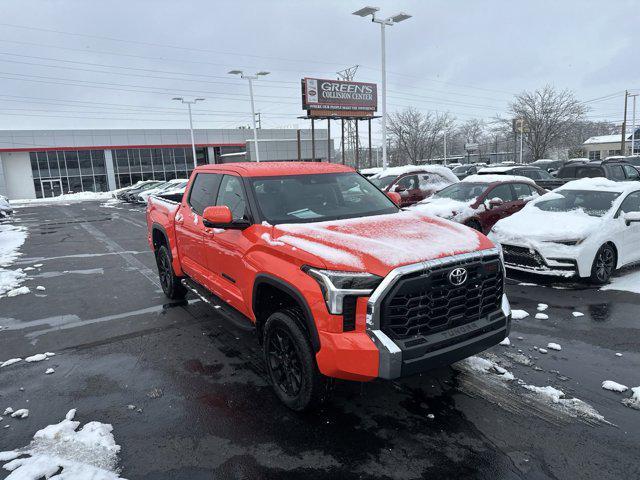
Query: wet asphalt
x=204 y=409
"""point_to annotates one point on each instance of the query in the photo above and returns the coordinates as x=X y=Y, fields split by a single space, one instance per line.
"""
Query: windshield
x=463 y=191
x=320 y=197
x=383 y=182
x=594 y=203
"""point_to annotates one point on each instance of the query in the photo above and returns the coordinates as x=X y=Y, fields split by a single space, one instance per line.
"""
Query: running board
x=221 y=307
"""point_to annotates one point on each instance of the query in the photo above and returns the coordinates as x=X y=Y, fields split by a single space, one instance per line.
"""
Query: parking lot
x=186 y=393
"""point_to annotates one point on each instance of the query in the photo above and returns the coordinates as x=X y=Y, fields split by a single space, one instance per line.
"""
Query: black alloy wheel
x=604 y=264
x=284 y=362
x=170 y=283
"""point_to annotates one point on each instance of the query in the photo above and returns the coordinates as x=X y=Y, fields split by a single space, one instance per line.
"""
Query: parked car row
x=141 y=191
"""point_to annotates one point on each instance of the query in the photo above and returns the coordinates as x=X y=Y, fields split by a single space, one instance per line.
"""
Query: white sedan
x=586 y=228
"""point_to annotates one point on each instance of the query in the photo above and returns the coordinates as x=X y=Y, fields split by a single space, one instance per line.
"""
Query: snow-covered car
x=479 y=201
x=119 y=193
x=6 y=209
x=174 y=184
x=414 y=182
x=587 y=228
x=369 y=172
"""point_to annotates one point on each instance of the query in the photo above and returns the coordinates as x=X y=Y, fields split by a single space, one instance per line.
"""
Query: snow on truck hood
x=381 y=243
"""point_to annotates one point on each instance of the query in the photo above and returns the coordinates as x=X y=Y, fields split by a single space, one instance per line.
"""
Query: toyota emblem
x=457 y=276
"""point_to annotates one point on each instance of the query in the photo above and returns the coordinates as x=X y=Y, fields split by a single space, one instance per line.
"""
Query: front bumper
x=532 y=260
x=399 y=358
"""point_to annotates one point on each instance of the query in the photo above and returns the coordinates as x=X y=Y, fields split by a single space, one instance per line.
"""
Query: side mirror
x=631 y=217
x=495 y=202
x=395 y=197
x=217 y=217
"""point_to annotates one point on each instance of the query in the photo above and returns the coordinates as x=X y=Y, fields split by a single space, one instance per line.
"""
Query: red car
x=479 y=201
x=414 y=183
x=336 y=279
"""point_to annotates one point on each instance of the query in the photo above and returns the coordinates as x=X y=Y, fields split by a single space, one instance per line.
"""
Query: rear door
x=189 y=227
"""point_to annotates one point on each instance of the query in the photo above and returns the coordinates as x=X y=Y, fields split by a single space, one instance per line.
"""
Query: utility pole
x=624 y=123
x=445 y=147
x=633 y=124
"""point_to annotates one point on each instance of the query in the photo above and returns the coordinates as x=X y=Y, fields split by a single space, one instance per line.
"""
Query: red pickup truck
x=337 y=280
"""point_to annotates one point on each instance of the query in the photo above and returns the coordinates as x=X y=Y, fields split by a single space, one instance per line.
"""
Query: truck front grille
x=427 y=302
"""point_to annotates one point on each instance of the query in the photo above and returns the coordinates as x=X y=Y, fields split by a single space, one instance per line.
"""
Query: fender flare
x=265 y=278
x=160 y=228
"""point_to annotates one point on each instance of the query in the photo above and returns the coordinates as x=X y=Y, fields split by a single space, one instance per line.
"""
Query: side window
x=503 y=192
x=232 y=195
x=617 y=173
x=533 y=174
x=431 y=179
x=632 y=173
x=410 y=182
x=631 y=203
x=522 y=190
x=590 y=172
x=203 y=192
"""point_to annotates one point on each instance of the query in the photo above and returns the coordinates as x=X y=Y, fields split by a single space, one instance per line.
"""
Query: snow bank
x=614 y=386
x=11 y=239
x=629 y=282
x=69 y=197
x=86 y=454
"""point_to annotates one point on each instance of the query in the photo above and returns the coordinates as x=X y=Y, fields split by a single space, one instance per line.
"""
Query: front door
x=508 y=206
x=630 y=238
x=51 y=187
x=226 y=248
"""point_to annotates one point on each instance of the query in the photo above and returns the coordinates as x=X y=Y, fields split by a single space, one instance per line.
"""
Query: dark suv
x=616 y=170
x=529 y=171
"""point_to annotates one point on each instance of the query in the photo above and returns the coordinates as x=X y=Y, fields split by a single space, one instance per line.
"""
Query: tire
x=290 y=362
x=170 y=283
x=475 y=225
x=604 y=264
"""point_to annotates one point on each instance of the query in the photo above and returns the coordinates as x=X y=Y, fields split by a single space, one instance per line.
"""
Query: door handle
x=179 y=218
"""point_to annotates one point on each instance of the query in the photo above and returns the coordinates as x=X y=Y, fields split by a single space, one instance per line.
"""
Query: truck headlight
x=336 y=285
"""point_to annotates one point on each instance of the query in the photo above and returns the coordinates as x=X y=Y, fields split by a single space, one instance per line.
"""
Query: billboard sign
x=338 y=95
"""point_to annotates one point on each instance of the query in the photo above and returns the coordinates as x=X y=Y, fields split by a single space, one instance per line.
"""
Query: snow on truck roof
x=397 y=171
x=276 y=169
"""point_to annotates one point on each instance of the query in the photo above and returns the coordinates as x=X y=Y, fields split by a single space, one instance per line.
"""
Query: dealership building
x=45 y=163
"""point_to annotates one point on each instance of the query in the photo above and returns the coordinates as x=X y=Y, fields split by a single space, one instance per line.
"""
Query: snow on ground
x=571 y=406
x=519 y=314
x=628 y=283
x=20 y=413
x=11 y=361
x=614 y=386
x=542 y=316
x=634 y=401
x=18 y=291
x=49 y=371
x=506 y=342
x=577 y=314
x=61 y=451
x=11 y=239
x=542 y=307
x=554 y=346
x=39 y=357
x=69 y=197
x=482 y=365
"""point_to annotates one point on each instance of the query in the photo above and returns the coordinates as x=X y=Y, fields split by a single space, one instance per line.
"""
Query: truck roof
x=276 y=169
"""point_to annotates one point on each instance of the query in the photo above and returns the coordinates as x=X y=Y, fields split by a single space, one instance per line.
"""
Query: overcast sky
x=116 y=64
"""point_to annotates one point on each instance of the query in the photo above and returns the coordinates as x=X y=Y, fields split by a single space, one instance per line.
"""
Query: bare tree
x=418 y=135
x=548 y=116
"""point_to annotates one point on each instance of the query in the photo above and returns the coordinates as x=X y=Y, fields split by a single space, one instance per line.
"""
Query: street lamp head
x=235 y=72
x=262 y=73
x=363 y=12
x=400 y=17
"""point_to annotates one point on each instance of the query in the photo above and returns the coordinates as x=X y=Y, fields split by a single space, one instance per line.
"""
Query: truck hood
x=378 y=244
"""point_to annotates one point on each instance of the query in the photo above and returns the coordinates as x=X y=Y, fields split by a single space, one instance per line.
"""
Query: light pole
x=521 y=125
x=193 y=142
x=633 y=125
x=251 y=78
x=399 y=17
